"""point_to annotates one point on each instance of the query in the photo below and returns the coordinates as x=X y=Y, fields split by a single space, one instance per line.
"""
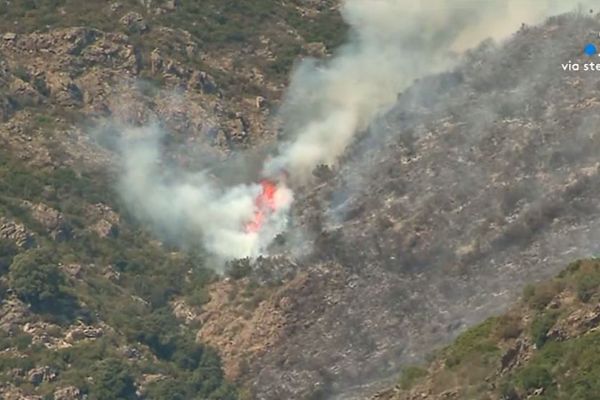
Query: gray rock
x=41 y=374
x=16 y=232
x=67 y=393
x=171 y=5
x=134 y=22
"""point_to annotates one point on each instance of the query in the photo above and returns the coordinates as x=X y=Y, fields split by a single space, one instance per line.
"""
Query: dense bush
x=410 y=376
x=566 y=370
x=202 y=376
x=485 y=362
x=540 y=327
x=534 y=377
x=113 y=380
x=20 y=341
x=168 y=389
x=587 y=285
x=508 y=327
x=240 y=268
x=35 y=278
x=476 y=342
x=539 y=297
x=159 y=330
x=7 y=251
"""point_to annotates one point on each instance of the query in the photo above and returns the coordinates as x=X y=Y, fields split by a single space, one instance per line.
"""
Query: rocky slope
x=92 y=305
x=477 y=182
x=544 y=347
x=217 y=89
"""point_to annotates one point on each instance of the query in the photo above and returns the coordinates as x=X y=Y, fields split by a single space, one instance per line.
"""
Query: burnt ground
x=477 y=182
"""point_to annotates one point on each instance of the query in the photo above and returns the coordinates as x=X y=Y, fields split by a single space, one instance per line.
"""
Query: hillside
x=544 y=347
x=475 y=183
x=93 y=306
x=478 y=181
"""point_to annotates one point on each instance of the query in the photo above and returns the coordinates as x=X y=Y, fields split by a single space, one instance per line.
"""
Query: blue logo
x=590 y=50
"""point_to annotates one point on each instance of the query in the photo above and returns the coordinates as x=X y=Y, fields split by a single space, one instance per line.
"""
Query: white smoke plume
x=191 y=207
x=391 y=43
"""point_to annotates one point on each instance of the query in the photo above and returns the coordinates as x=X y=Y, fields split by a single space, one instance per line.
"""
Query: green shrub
x=113 y=379
x=540 y=327
x=158 y=330
x=535 y=377
x=7 y=251
x=539 y=297
x=508 y=327
x=571 y=269
x=224 y=392
x=188 y=354
x=11 y=362
x=586 y=286
x=202 y=376
x=240 y=268
x=566 y=370
x=168 y=389
x=508 y=391
x=197 y=297
x=22 y=73
x=21 y=341
x=35 y=279
x=475 y=342
x=528 y=292
x=410 y=376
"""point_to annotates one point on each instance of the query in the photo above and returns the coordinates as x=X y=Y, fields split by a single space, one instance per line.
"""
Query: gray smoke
x=392 y=43
x=191 y=208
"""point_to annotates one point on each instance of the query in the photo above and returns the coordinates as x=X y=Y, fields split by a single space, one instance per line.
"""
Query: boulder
x=171 y=5
x=67 y=393
x=50 y=219
x=134 y=22
x=41 y=374
x=73 y=270
x=16 y=232
x=261 y=102
x=9 y=36
x=106 y=220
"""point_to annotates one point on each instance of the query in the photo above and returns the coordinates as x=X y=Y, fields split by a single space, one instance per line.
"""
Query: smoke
x=192 y=208
x=392 y=43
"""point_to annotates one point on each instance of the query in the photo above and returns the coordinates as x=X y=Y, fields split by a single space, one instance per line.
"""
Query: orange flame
x=264 y=205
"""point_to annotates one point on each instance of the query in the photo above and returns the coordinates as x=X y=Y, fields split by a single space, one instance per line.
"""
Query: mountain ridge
x=476 y=182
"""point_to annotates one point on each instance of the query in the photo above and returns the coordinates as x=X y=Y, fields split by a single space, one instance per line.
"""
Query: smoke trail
x=393 y=42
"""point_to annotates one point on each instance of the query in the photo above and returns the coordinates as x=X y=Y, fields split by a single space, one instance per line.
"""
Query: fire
x=264 y=205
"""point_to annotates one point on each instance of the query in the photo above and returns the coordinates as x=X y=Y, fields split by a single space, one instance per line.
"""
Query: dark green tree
x=158 y=330
x=35 y=279
x=113 y=380
x=7 y=251
x=224 y=392
x=169 y=389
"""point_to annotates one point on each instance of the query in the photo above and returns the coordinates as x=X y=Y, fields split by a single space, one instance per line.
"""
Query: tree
x=113 y=380
x=7 y=251
x=535 y=377
x=224 y=392
x=34 y=279
x=158 y=330
x=168 y=389
x=208 y=375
